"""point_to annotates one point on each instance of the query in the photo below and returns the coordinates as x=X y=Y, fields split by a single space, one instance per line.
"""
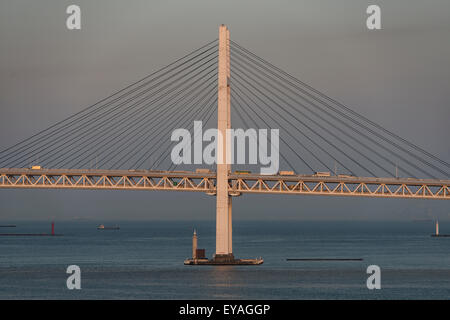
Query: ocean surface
x=144 y=260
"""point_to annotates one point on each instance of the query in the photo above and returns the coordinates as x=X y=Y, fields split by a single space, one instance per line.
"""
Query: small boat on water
x=102 y=227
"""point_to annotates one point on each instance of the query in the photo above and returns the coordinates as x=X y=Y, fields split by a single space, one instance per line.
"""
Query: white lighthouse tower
x=194 y=245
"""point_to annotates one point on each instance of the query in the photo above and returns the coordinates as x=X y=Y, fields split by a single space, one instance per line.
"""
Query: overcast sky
x=398 y=76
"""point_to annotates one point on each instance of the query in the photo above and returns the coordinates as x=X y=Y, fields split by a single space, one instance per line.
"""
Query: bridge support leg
x=224 y=220
x=230 y=224
x=224 y=251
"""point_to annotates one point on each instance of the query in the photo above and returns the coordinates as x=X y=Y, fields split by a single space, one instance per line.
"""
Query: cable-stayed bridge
x=123 y=141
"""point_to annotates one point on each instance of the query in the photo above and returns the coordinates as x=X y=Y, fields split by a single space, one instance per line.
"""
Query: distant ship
x=102 y=227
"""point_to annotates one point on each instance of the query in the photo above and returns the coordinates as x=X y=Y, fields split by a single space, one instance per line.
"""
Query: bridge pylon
x=224 y=248
x=224 y=220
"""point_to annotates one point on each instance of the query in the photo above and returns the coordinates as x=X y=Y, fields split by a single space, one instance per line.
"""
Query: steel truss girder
x=108 y=182
x=412 y=190
x=238 y=184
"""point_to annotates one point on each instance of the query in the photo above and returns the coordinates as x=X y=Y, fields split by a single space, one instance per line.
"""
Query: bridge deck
x=239 y=183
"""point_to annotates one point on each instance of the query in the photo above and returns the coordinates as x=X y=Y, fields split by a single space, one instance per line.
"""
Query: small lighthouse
x=436 y=233
x=198 y=255
x=194 y=245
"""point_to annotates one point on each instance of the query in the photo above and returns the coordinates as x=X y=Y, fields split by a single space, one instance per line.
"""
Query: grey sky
x=398 y=76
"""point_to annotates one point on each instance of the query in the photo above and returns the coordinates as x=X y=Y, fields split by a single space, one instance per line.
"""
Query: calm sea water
x=144 y=260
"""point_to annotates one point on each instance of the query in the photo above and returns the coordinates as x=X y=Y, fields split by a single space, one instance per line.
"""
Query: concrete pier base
x=224 y=262
x=223 y=258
